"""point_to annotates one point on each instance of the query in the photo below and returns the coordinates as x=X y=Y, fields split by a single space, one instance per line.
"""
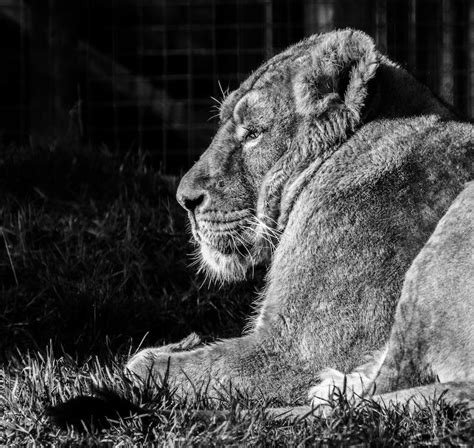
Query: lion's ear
x=337 y=73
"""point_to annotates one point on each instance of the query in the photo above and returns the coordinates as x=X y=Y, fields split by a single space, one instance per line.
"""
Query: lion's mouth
x=229 y=243
x=228 y=233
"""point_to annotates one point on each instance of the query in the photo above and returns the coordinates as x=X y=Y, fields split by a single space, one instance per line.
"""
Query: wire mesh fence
x=141 y=73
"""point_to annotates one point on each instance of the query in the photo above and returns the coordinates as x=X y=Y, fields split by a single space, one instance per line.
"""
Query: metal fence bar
x=268 y=29
x=446 y=79
x=115 y=102
x=190 y=95
x=23 y=73
x=239 y=32
x=470 y=46
x=412 y=34
x=140 y=93
x=217 y=94
x=381 y=24
x=164 y=62
x=50 y=65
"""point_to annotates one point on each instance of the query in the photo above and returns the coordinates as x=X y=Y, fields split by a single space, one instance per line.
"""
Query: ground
x=95 y=261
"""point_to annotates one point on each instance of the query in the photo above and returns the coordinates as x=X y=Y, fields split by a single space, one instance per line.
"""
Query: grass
x=166 y=420
x=95 y=260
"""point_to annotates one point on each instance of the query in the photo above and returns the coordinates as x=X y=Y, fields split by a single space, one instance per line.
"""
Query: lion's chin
x=225 y=267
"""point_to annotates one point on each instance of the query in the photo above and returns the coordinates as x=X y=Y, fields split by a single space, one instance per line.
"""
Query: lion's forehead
x=273 y=75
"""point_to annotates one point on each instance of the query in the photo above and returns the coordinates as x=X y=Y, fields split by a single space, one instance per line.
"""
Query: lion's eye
x=251 y=134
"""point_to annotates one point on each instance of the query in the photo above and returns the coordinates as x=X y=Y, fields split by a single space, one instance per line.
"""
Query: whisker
x=264 y=236
x=268 y=234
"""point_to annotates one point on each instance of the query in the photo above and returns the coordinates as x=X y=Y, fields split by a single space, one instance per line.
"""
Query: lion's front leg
x=211 y=366
x=153 y=367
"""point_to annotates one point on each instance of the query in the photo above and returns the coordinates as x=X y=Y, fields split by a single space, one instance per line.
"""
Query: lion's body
x=432 y=338
x=339 y=191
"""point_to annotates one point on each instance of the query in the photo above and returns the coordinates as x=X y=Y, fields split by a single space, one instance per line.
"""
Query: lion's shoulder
x=389 y=153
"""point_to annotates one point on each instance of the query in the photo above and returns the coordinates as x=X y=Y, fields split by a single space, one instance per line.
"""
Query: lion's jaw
x=230 y=243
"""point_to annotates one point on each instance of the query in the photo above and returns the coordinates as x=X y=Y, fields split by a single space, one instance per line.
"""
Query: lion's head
x=287 y=118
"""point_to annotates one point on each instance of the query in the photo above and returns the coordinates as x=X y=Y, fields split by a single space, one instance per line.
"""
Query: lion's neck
x=398 y=94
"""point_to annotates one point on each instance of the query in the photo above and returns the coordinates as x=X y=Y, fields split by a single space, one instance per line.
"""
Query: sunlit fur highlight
x=253 y=243
x=218 y=102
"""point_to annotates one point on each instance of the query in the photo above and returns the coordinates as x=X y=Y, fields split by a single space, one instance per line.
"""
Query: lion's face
x=220 y=192
x=288 y=114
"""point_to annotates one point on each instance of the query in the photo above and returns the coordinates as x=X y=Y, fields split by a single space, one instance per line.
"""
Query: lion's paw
x=321 y=394
x=333 y=383
x=150 y=364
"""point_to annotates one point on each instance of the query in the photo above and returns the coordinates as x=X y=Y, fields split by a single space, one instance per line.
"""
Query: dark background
x=140 y=73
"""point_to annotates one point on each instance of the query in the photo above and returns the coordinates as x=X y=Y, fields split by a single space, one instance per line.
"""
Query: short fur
x=433 y=334
x=333 y=165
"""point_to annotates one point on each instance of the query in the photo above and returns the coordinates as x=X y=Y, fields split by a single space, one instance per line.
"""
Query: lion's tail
x=416 y=397
x=412 y=399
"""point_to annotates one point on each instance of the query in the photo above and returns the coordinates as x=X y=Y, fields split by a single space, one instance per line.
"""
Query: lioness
x=332 y=165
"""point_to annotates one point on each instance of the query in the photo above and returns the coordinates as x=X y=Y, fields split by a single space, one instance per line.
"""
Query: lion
x=331 y=166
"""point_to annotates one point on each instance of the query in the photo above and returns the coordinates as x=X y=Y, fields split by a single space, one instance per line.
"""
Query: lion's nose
x=190 y=197
x=191 y=203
